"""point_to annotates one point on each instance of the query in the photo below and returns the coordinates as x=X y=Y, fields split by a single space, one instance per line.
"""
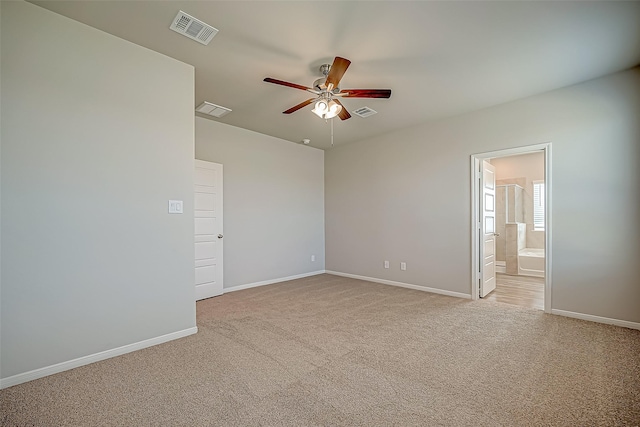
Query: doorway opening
x=511 y=226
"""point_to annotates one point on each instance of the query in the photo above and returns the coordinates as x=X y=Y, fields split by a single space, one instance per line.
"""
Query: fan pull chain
x=332 y=133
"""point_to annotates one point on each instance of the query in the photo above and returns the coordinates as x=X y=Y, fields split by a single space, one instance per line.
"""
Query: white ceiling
x=439 y=58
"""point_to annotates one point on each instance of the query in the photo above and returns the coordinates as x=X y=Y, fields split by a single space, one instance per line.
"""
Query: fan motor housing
x=320 y=85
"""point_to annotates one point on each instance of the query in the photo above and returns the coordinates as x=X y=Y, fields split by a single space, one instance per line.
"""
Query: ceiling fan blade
x=283 y=83
x=338 y=68
x=299 y=106
x=343 y=114
x=366 y=93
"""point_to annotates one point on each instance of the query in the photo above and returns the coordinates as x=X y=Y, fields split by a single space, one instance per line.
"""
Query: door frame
x=476 y=159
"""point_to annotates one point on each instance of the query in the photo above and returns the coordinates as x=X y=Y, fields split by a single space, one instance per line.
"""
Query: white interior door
x=208 y=229
x=487 y=229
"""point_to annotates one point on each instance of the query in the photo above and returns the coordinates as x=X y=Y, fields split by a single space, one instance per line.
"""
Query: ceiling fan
x=328 y=91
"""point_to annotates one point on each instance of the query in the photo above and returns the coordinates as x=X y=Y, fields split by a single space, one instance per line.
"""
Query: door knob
x=496 y=234
x=220 y=236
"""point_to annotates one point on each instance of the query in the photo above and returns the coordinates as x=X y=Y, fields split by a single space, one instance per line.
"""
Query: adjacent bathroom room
x=520 y=228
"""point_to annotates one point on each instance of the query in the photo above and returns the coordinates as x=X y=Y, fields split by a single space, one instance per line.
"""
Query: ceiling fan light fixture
x=327 y=110
x=334 y=108
x=321 y=108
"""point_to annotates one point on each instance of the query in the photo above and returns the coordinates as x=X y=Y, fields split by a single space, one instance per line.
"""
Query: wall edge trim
x=272 y=281
x=402 y=285
x=597 y=319
x=92 y=358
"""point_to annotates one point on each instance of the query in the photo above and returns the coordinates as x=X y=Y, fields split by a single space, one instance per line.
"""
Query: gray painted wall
x=405 y=196
x=97 y=135
x=273 y=203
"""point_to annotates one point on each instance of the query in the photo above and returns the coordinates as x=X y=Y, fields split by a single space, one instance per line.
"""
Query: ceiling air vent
x=364 y=112
x=193 y=28
x=213 y=109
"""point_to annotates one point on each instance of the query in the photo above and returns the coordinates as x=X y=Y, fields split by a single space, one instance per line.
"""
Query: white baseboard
x=598 y=319
x=85 y=360
x=531 y=273
x=271 y=282
x=403 y=285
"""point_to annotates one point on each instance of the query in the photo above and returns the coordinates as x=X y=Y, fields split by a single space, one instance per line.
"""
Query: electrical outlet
x=386 y=264
x=403 y=266
x=313 y=258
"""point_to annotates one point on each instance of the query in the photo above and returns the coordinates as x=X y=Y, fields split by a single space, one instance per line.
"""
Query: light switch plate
x=175 y=206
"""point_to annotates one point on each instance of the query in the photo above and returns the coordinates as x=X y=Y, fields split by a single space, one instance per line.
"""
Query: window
x=538 y=205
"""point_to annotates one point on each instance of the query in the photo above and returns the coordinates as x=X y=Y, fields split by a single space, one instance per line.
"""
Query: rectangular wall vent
x=364 y=112
x=193 y=28
x=213 y=109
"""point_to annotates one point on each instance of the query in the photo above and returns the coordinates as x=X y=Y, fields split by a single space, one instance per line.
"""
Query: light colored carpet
x=332 y=351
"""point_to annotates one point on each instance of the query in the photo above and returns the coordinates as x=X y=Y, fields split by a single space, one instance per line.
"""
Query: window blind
x=538 y=205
